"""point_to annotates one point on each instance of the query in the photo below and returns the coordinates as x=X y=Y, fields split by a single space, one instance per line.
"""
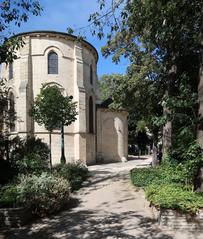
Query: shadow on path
x=107 y=207
x=91 y=225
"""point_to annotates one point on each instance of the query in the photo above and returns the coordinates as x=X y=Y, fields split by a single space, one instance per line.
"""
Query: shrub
x=173 y=196
x=9 y=196
x=45 y=194
x=31 y=163
x=193 y=161
x=75 y=173
x=25 y=156
x=7 y=172
x=28 y=155
x=169 y=186
x=171 y=173
x=142 y=177
x=21 y=148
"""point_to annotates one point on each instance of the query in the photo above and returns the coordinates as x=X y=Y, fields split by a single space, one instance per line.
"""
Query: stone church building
x=54 y=58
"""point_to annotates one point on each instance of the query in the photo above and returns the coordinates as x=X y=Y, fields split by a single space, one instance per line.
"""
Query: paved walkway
x=107 y=207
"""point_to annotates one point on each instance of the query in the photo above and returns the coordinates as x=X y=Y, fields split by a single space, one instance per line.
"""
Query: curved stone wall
x=30 y=71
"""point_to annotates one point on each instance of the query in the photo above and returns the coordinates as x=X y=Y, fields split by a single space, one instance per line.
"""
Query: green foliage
x=9 y=196
x=171 y=185
x=52 y=109
x=31 y=164
x=156 y=36
x=74 y=173
x=172 y=196
x=70 y=30
x=141 y=126
x=125 y=90
x=14 y=12
x=28 y=155
x=142 y=177
x=161 y=175
x=45 y=193
x=107 y=84
x=193 y=161
x=158 y=27
x=22 y=147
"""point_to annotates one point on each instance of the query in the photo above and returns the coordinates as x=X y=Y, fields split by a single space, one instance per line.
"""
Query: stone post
x=120 y=127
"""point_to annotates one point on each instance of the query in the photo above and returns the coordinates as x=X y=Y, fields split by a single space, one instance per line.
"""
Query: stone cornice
x=60 y=35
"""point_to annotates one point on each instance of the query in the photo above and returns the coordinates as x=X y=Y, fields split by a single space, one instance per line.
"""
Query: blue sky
x=60 y=14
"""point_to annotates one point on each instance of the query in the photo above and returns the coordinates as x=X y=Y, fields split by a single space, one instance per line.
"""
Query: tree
x=107 y=85
x=161 y=38
x=140 y=95
x=54 y=110
x=14 y=12
x=11 y=12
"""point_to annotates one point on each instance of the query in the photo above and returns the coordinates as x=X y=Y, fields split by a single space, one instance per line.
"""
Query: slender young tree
x=54 y=110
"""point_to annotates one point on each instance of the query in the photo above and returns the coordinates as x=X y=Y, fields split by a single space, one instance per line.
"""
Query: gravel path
x=107 y=207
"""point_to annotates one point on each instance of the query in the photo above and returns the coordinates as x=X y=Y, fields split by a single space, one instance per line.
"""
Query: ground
x=108 y=207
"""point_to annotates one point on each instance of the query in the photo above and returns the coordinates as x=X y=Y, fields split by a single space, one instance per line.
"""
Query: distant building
x=54 y=58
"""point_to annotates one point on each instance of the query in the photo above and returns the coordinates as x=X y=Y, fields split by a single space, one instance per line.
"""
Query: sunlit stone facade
x=60 y=59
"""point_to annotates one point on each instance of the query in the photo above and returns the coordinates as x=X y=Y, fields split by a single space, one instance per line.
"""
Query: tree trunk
x=200 y=91
x=154 y=156
x=167 y=129
x=50 y=156
x=63 y=158
x=154 y=146
x=200 y=96
x=167 y=134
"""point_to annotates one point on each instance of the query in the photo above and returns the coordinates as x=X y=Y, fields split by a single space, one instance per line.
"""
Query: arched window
x=91 y=75
x=52 y=63
x=10 y=71
x=91 y=116
x=11 y=112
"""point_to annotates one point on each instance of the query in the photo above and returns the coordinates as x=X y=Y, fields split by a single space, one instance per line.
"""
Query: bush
x=173 y=196
x=20 y=149
x=142 y=177
x=171 y=184
x=193 y=161
x=31 y=163
x=7 y=172
x=28 y=155
x=45 y=194
x=75 y=173
x=9 y=196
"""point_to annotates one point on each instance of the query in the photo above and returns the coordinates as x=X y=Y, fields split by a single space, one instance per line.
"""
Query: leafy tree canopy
x=162 y=41
x=52 y=109
x=14 y=12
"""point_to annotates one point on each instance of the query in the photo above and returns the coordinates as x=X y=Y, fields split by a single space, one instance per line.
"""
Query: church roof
x=46 y=32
